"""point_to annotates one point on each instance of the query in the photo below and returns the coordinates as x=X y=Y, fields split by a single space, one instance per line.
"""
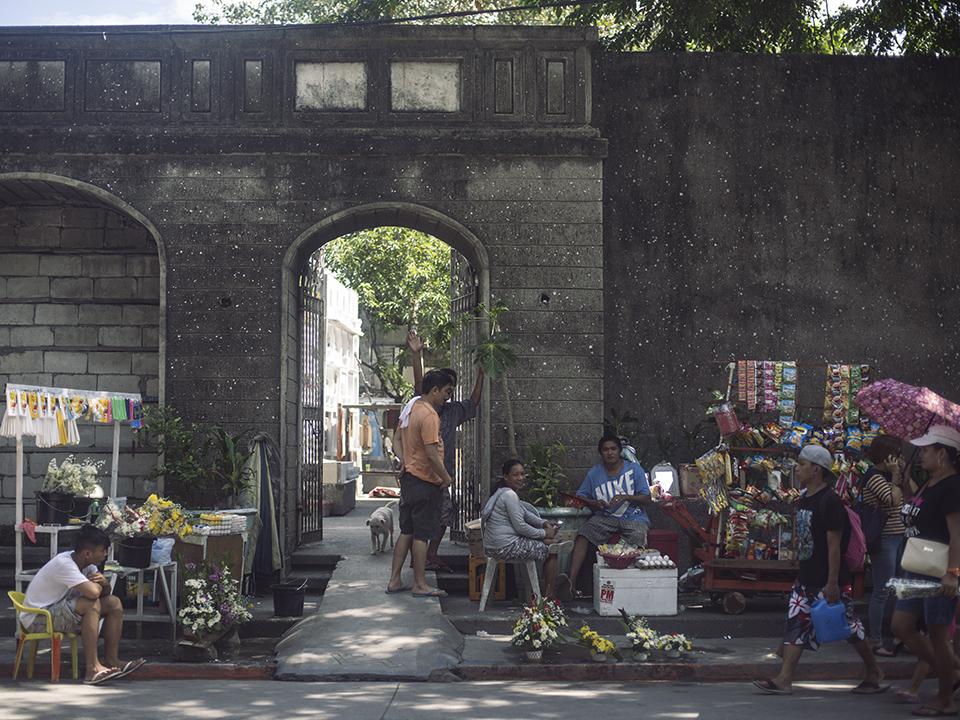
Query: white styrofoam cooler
x=639 y=592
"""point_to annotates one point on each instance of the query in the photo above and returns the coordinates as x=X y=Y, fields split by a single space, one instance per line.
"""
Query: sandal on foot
x=431 y=594
x=881 y=651
x=101 y=677
x=771 y=688
x=905 y=697
x=130 y=666
x=927 y=711
x=869 y=687
x=403 y=588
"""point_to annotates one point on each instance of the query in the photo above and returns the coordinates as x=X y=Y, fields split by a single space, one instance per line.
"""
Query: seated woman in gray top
x=514 y=530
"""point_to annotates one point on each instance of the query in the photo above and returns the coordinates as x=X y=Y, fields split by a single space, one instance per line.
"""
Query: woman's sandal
x=905 y=697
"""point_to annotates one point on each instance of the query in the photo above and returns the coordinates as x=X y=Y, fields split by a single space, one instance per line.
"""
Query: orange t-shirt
x=423 y=429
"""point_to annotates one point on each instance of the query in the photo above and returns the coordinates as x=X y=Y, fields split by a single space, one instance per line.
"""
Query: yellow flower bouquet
x=598 y=645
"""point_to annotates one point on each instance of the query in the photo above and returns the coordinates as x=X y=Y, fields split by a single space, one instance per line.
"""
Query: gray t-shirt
x=453 y=414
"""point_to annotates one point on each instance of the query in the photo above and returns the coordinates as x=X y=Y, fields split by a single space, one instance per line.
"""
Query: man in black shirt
x=823 y=529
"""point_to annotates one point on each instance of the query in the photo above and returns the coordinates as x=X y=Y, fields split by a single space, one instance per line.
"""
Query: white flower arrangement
x=642 y=637
x=212 y=600
x=675 y=641
x=536 y=628
x=73 y=478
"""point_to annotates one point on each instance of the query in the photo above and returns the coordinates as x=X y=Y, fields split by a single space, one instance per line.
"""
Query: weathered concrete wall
x=235 y=147
x=79 y=308
x=775 y=208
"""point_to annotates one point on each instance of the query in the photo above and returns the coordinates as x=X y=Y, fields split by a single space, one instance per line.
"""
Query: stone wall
x=768 y=207
x=79 y=308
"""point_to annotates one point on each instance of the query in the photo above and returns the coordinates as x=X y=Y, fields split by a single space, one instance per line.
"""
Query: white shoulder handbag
x=925 y=557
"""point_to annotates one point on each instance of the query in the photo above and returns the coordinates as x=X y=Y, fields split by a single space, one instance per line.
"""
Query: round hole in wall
x=225 y=301
x=544 y=298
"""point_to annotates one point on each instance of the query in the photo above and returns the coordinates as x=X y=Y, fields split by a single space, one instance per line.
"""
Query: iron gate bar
x=310 y=507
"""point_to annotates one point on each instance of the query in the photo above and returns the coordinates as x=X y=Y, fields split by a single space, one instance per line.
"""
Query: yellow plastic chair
x=55 y=638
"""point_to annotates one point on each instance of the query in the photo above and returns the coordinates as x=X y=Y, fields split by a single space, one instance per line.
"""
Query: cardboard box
x=639 y=592
x=690 y=481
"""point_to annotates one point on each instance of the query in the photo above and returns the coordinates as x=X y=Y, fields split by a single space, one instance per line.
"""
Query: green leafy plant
x=544 y=466
x=181 y=448
x=229 y=456
x=495 y=354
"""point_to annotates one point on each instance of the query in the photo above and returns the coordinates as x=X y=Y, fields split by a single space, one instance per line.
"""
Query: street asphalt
x=201 y=700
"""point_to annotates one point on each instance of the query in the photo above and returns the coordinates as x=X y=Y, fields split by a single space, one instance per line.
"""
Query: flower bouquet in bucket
x=537 y=627
x=600 y=647
x=135 y=528
x=643 y=639
x=674 y=644
x=212 y=609
x=67 y=490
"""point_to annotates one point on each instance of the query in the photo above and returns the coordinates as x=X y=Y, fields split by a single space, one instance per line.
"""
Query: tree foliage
x=871 y=27
x=402 y=280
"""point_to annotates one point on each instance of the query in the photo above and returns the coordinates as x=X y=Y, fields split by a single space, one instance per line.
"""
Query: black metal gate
x=467 y=482
x=312 y=343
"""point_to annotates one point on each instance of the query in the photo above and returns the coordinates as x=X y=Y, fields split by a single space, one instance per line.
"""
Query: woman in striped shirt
x=883 y=489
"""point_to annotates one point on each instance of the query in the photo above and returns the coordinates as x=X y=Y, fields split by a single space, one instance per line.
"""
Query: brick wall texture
x=79 y=308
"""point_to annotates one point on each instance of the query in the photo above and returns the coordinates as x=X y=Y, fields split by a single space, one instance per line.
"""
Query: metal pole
x=116 y=460
x=18 y=563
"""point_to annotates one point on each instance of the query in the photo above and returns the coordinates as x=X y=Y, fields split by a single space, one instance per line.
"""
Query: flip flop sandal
x=927 y=711
x=869 y=687
x=770 y=687
x=432 y=594
x=131 y=666
x=388 y=591
x=905 y=697
x=101 y=677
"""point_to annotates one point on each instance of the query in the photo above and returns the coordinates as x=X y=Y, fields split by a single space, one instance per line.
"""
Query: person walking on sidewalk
x=934 y=514
x=823 y=529
x=883 y=489
x=453 y=414
x=423 y=481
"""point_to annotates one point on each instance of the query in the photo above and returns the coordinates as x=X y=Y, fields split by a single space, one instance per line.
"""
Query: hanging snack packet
x=13 y=407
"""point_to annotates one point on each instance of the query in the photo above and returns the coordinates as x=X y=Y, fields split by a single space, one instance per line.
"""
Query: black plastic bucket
x=54 y=508
x=288 y=597
x=134 y=552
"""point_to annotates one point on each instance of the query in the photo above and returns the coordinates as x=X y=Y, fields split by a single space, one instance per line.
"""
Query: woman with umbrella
x=934 y=514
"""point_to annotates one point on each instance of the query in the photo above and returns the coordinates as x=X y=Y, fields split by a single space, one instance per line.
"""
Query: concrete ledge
x=161 y=671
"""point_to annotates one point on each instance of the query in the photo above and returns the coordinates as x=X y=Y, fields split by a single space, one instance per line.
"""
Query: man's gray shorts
x=599 y=528
x=63 y=613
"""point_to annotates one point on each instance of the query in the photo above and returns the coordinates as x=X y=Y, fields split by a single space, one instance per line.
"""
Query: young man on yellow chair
x=78 y=596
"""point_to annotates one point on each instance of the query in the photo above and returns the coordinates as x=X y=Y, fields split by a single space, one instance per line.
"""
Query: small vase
x=534 y=656
x=598 y=657
x=672 y=654
x=641 y=655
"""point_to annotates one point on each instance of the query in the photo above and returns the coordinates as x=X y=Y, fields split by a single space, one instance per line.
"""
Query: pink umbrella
x=906 y=410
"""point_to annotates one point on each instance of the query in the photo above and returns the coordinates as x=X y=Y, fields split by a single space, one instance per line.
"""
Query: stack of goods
x=843 y=382
x=768 y=386
x=218 y=524
x=714 y=468
x=619 y=556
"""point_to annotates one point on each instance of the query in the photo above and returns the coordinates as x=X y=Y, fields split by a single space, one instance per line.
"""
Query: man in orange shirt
x=421 y=486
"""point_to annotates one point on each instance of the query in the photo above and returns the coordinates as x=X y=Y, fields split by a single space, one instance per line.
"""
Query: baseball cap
x=939 y=434
x=818 y=455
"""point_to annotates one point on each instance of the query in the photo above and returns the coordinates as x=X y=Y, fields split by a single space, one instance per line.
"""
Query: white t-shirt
x=52 y=582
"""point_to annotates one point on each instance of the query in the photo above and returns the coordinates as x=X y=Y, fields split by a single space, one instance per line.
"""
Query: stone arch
x=79 y=191
x=360 y=217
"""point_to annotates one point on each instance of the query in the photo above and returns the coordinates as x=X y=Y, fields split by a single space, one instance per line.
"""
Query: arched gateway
x=244 y=148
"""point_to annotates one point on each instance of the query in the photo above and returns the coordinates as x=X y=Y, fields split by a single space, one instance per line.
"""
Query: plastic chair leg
x=489 y=576
x=31 y=661
x=16 y=665
x=74 y=663
x=533 y=578
x=55 y=642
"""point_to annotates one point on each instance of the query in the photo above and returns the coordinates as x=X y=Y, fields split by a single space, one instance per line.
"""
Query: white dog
x=381 y=525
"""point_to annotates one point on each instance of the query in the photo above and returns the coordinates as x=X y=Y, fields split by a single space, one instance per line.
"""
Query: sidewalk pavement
x=224 y=700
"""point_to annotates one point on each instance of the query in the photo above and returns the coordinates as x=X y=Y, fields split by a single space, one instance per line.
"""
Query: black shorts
x=419 y=507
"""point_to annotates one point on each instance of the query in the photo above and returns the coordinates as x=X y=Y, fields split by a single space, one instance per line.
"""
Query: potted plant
x=67 y=490
x=674 y=644
x=537 y=627
x=643 y=639
x=182 y=448
x=601 y=649
x=229 y=468
x=495 y=354
x=544 y=467
x=212 y=608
